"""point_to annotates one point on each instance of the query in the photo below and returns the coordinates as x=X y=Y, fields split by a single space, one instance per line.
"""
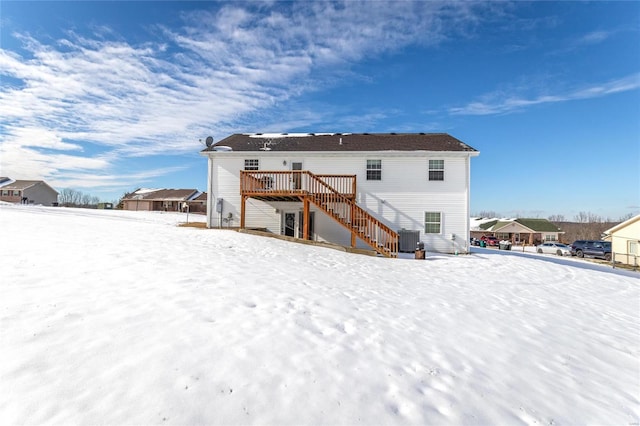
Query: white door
x=296 y=180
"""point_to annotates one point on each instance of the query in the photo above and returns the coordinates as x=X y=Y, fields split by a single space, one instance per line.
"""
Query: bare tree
x=556 y=218
x=594 y=218
x=626 y=217
x=581 y=217
x=69 y=197
x=487 y=213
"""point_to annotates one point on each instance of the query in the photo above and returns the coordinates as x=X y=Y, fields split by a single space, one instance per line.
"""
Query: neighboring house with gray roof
x=356 y=189
x=529 y=231
x=173 y=200
x=27 y=192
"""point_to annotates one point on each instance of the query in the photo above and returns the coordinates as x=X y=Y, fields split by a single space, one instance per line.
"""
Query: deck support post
x=305 y=228
x=242 y=211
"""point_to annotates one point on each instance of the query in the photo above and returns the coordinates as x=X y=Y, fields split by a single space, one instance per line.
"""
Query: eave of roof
x=622 y=224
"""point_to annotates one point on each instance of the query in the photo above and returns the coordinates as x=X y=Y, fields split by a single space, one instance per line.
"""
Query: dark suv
x=591 y=248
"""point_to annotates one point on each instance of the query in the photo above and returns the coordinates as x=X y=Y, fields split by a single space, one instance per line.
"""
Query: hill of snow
x=111 y=317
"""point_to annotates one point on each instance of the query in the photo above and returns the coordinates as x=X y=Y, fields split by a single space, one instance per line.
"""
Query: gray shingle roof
x=342 y=142
x=21 y=184
x=162 y=195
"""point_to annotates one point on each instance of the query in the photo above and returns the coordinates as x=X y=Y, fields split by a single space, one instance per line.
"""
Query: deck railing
x=294 y=182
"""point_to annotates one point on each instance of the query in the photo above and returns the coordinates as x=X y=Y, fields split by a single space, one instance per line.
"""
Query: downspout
x=468 y=212
x=210 y=192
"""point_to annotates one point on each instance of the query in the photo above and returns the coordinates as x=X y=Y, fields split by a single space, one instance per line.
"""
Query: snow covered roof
x=10 y=184
x=342 y=142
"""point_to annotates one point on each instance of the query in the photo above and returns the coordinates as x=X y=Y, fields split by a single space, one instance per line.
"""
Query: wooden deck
x=291 y=185
x=333 y=194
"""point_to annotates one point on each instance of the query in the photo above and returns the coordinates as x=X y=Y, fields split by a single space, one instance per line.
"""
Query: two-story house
x=27 y=192
x=363 y=190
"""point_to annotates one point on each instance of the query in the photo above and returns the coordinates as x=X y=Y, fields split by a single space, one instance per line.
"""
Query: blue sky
x=106 y=97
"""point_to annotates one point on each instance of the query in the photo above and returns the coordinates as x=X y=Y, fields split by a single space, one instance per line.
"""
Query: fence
x=619 y=259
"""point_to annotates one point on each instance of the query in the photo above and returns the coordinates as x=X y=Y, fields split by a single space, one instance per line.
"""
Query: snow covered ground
x=110 y=317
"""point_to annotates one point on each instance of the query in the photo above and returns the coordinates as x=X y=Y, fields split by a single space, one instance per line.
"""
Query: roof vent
x=266 y=147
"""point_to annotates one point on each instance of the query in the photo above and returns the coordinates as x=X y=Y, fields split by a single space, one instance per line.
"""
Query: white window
x=436 y=169
x=253 y=164
x=549 y=237
x=633 y=247
x=16 y=193
x=432 y=222
x=374 y=169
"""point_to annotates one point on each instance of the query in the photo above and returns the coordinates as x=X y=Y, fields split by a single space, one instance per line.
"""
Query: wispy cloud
x=504 y=103
x=206 y=77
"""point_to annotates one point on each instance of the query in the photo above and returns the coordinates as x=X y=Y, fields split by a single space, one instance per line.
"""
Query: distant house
x=27 y=192
x=529 y=231
x=625 y=241
x=171 y=200
x=198 y=204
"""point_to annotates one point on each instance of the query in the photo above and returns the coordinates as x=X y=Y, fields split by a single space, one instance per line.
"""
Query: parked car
x=592 y=248
x=554 y=248
x=490 y=240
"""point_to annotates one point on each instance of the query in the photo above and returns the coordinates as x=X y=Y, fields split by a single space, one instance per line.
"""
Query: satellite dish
x=209 y=141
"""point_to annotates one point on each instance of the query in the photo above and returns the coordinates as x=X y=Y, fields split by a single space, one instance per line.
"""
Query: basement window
x=252 y=164
x=432 y=221
x=436 y=169
x=374 y=169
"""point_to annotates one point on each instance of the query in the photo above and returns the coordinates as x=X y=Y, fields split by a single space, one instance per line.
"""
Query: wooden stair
x=346 y=212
